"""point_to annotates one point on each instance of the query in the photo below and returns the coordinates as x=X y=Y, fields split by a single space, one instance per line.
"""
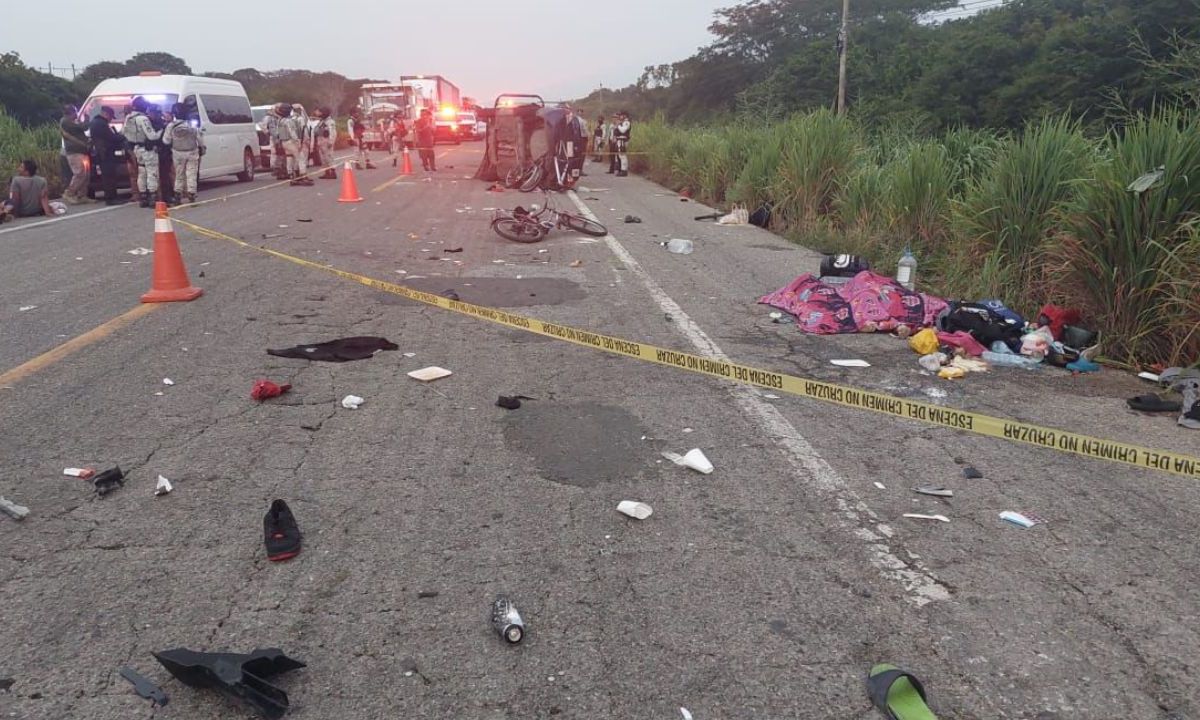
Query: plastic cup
x=696 y=460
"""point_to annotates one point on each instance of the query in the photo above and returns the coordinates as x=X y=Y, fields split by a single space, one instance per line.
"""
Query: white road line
x=60 y=218
x=919 y=583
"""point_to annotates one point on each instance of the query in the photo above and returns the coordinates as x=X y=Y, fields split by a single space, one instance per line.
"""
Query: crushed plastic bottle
x=1011 y=360
x=680 y=246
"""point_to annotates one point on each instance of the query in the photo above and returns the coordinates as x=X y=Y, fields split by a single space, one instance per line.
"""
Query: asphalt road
x=764 y=590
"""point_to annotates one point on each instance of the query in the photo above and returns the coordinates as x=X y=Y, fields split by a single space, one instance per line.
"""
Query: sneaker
x=281 y=535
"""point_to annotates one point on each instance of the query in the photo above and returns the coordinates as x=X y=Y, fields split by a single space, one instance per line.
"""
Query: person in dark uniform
x=160 y=119
x=105 y=143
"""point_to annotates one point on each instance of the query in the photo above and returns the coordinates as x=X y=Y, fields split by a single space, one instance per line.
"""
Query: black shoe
x=280 y=532
x=144 y=203
x=622 y=174
x=611 y=172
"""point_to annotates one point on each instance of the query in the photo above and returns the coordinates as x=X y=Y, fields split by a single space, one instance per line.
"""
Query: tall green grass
x=1032 y=217
x=40 y=144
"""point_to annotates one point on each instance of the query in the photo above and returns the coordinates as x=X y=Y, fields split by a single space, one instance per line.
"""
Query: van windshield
x=119 y=102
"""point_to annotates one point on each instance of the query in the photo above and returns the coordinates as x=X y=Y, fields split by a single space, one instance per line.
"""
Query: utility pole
x=843 y=39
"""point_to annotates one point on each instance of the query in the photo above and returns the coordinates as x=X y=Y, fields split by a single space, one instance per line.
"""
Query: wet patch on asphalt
x=503 y=292
x=582 y=444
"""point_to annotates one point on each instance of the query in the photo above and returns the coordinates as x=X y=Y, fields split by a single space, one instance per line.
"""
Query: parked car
x=221 y=107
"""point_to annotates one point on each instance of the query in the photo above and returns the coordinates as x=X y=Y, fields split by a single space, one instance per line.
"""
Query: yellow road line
x=45 y=360
x=398 y=178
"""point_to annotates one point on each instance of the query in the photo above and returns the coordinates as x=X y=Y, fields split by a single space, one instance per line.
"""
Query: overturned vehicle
x=530 y=145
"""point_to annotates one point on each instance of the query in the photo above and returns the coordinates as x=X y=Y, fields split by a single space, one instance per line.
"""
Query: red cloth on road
x=964 y=340
x=867 y=298
x=265 y=390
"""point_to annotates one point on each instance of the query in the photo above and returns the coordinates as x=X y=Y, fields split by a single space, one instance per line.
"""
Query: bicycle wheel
x=515 y=176
x=583 y=225
x=518 y=230
x=534 y=179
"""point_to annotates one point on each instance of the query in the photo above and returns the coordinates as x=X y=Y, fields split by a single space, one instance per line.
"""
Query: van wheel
x=247 y=174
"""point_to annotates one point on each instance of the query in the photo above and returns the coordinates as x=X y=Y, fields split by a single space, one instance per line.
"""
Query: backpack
x=982 y=323
x=133 y=130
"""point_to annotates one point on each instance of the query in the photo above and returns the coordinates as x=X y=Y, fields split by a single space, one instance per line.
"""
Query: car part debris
x=265 y=390
x=851 y=363
x=108 y=481
x=81 y=473
x=679 y=246
x=971 y=473
x=450 y=294
x=933 y=491
x=918 y=516
x=430 y=374
x=13 y=510
x=1020 y=519
x=507 y=620
x=281 y=534
x=508 y=403
x=234 y=675
x=163 y=487
x=168 y=381
x=632 y=219
x=635 y=509
x=6 y=683
x=303 y=219
x=352 y=402
x=144 y=687
x=452 y=250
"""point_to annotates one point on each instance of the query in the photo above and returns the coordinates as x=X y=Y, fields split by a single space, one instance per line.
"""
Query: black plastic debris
x=713 y=216
x=144 y=687
x=6 y=683
x=632 y=219
x=971 y=473
x=234 y=675
x=341 y=350
x=450 y=294
x=303 y=219
x=453 y=250
x=508 y=403
x=108 y=481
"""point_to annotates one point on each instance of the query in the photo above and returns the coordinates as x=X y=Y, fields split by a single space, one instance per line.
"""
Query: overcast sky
x=556 y=48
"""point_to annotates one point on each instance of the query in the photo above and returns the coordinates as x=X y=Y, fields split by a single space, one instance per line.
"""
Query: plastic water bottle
x=680 y=246
x=1011 y=360
x=906 y=271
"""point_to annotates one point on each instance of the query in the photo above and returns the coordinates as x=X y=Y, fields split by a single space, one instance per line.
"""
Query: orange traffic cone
x=407 y=169
x=170 y=279
x=349 y=186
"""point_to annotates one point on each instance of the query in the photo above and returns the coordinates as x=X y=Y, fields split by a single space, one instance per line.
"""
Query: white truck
x=380 y=101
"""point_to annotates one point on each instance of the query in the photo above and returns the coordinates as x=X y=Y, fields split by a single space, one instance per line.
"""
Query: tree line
x=34 y=97
x=930 y=63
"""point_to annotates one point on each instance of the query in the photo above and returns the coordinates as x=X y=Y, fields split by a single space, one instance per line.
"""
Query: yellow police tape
x=1012 y=430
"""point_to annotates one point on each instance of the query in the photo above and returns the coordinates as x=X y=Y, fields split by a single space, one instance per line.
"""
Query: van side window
x=227 y=109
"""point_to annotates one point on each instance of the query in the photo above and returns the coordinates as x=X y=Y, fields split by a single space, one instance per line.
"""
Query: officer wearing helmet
x=143 y=138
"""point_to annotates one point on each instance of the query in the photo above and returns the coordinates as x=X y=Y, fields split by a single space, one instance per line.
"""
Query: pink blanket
x=868 y=298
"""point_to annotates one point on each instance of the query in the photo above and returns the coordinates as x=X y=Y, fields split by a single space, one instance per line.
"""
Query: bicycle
x=521 y=225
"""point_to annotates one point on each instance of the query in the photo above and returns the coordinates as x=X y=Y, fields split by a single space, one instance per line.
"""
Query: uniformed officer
x=326 y=136
x=279 y=157
x=357 y=127
x=143 y=137
x=621 y=132
x=291 y=136
x=186 y=142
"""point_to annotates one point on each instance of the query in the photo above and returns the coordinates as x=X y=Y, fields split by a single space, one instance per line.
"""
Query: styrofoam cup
x=696 y=460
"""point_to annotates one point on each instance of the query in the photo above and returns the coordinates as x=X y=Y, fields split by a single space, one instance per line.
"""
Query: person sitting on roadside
x=28 y=195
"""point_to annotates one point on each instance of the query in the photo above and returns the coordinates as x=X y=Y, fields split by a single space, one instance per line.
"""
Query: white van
x=221 y=106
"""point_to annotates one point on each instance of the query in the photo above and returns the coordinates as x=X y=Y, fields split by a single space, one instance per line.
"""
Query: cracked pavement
x=751 y=592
